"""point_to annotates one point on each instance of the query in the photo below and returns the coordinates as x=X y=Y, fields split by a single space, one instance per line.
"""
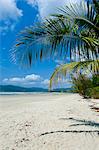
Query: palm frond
x=83 y=66
x=85 y=16
x=51 y=39
x=65 y=34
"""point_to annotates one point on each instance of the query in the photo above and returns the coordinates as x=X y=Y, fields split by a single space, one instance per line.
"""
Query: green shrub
x=88 y=93
x=81 y=84
x=95 y=92
x=86 y=87
x=95 y=80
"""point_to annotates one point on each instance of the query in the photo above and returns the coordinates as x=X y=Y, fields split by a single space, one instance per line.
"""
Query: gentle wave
x=29 y=93
x=19 y=93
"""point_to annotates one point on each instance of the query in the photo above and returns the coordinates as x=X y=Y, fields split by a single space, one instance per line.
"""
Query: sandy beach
x=48 y=122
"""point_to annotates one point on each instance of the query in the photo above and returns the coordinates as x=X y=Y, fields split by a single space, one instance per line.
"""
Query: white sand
x=23 y=118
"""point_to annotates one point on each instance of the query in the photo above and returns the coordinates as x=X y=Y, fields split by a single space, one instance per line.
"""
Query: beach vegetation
x=73 y=33
x=85 y=86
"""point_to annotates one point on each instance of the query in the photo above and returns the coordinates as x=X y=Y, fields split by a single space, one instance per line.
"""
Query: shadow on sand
x=80 y=122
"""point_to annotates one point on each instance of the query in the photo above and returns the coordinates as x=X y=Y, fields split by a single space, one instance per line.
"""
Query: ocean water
x=30 y=93
x=21 y=93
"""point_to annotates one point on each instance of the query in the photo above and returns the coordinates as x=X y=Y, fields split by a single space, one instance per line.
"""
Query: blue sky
x=15 y=15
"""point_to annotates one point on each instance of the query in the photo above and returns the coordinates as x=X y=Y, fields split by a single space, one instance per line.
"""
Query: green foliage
x=72 y=31
x=95 y=80
x=87 y=87
x=80 y=85
x=89 y=66
x=95 y=92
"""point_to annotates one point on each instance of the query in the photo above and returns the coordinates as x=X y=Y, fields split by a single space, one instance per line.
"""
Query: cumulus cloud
x=9 y=9
x=16 y=79
x=9 y=14
x=5 y=80
x=47 y=7
x=32 y=2
x=36 y=81
x=27 y=79
x=45 y=82
x=33 y=77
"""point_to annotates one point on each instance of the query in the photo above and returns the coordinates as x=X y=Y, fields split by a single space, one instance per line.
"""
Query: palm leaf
x=51 y=40
x=83 y=66
x=85 y=16
x=65 y=34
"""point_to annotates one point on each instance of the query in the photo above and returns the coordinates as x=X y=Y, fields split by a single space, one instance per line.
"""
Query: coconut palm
x=90 y=67
x=86 y=64
x=73 y=33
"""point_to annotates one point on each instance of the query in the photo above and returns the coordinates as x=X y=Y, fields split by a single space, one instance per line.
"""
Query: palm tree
x=86 y=25
x=87 y=67
x=72 y=32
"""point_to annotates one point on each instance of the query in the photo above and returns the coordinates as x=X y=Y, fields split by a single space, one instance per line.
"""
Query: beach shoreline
x=48 y=122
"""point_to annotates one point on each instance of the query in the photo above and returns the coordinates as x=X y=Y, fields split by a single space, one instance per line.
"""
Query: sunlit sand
x=48 y=122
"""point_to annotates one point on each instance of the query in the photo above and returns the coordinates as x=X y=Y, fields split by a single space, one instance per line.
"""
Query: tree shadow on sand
x=81 y=122
x=72 y=131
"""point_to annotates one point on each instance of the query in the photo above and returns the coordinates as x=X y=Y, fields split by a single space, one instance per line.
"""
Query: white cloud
x=35 y=80
x=16 y=79
x=9 y=10
x=5 y=80
x=9 y=14
x=28 y=80
x=32 y=77
x=24 y=80
x=32 y=2
x=45 y=82
x=47 y=7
